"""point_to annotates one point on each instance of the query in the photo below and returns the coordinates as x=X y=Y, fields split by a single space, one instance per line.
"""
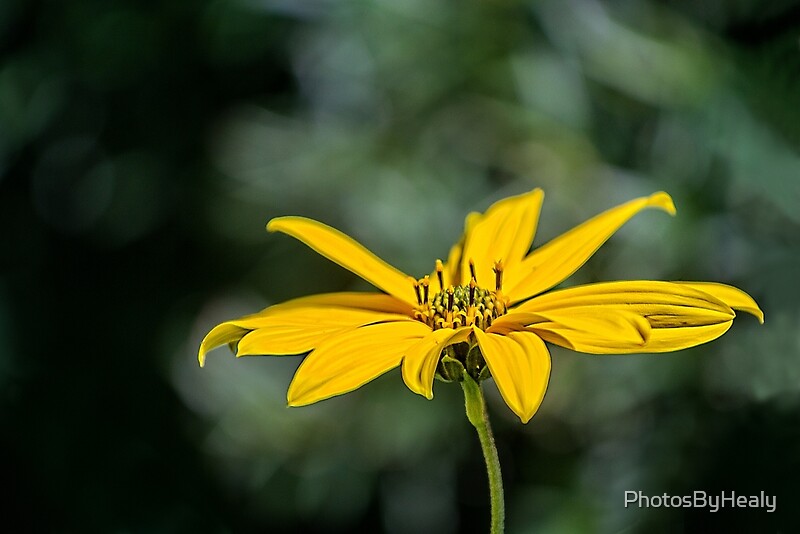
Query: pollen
x=459 y=305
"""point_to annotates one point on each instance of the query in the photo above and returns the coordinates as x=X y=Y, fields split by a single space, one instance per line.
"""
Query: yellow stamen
x=487 y=318
x=440 y=274
x=472 y=285
x=459 y=306
x=498 y=275
x=471 y=307
x=449 y=317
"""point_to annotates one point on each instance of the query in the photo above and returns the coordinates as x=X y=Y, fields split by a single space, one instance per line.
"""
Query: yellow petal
x=299 y=330
x=679 y=316
x=619 y=327
x=645 y=297
x=349 y=360
x=520 y=365
x=221 y=334
x=515 y=320
x=327 y=312
x=733 y=297
x=677 y=338
x=421 y=359
x=358 y=300
x=504 y=232
x=660 y=339
x=452 y=269
x=553 y=262
x=282 y=340
x=314 y=315
x=345 y=251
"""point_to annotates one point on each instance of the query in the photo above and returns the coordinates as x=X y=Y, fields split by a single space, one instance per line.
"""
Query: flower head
x=487 y=311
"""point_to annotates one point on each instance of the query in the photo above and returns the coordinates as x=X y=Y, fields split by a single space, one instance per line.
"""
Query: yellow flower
x=488 y=302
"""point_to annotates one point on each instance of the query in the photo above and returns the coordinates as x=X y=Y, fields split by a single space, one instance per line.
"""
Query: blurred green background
x=144 y=145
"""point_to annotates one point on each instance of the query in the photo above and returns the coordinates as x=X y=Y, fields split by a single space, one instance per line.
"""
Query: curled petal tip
x=281 y=224
x=218 y=336
x=749 y=307
x=273 y=223
x=731 y=296
x=662 y=200
x=753 y=309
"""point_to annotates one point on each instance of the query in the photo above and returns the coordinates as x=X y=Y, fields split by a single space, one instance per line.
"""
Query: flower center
x=459 y=305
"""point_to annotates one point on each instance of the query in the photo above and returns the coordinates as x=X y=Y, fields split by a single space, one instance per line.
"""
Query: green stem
x=479 y=417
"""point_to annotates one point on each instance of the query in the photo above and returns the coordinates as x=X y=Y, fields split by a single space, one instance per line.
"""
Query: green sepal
x=475 y=364
x=449 y=369
x=484 y=374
